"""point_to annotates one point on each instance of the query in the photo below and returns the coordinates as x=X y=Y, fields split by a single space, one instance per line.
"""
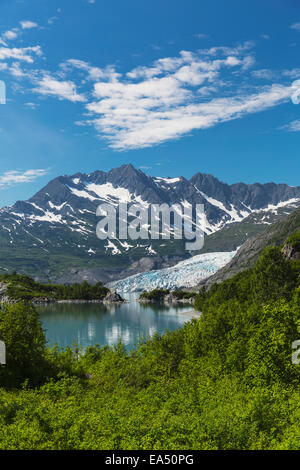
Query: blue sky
x=171 y=86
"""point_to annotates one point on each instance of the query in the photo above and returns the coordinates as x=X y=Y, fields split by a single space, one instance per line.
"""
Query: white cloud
x=201 y=36
x=197 y=66
x=163 y=101
x=9 y=35
x=295 y=95
x=93 y=73
x=16 y=70
x=173 y=97
x=293 y=73
x=13 y=177
x=265 y=74
x=67 y=90
x=130 y=129
x=293 y=126
x=23 y=54
x=52 y=19
x=296 y=26
x=26 y=24
x=31 y=105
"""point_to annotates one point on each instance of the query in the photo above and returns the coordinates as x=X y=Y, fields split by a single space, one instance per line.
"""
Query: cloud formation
x=9 y=35
x=13 y=177
x=165 y=100
x=26 y=24
x=293 y=126
x=177 y=95
x=296 y=26
x=67 y=90
x=25 y=54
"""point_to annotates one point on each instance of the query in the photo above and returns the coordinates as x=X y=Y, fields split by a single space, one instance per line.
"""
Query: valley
x=52 y=235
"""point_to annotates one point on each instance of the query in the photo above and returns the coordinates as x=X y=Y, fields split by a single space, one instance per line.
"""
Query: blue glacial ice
x=187 y=273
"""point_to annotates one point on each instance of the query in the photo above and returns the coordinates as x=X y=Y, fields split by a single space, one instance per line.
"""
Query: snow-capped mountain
x=187 y=273
x=53 y=234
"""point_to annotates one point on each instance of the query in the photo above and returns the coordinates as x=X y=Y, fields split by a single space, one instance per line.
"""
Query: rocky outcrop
x=42 y=300
x=274 y=235
x=172 y=299
x=291 y=253
x=4 y=299
x=113 y=297
x=167 y=299
x=3 y=289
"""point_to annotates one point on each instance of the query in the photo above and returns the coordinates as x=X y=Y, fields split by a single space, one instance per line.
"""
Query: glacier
x=187 y=273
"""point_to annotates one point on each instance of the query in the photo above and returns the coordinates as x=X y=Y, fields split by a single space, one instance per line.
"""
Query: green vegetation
x=225 y=381
x=22 y=287
x=158 y=295
x=294 y=240
x=61 y=252
x=272 y=278
x=181 y=295
x=155 y=295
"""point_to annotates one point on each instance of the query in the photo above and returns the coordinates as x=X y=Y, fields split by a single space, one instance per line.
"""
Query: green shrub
x=225 y=381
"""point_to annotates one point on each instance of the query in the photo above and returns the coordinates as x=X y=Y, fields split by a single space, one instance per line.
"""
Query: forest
x=23 y=287
x=158 y=295
x=226 y=381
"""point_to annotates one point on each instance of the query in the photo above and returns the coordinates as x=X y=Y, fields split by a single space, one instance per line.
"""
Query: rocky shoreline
x=167 y=299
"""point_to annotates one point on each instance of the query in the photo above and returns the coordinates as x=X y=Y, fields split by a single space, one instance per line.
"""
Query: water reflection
x=88 y=324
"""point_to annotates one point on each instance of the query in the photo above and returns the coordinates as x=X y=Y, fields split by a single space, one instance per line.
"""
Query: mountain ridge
x=275 y=235
x=52 y=235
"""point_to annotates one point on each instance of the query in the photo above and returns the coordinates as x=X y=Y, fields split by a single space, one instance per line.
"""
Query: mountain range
x=52 y=235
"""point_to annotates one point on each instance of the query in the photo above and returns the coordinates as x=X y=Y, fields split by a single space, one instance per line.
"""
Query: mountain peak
x=59 y=222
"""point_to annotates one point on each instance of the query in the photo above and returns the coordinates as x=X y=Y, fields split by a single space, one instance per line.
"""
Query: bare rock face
x=291 y=253
x=113 y=297
x=42 y=300
x=274 y=235
x=3 y=290
x=172 y=299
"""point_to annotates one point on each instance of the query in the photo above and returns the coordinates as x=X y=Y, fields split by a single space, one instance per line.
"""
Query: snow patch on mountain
x=167 y=180
x=187 y=273
x=294 y=202
x=113 y=247
x=108 y=191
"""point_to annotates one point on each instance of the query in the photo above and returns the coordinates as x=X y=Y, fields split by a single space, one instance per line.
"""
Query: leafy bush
x=155 y=294
x=181 y=295
x=225 y=381
x=21 y=331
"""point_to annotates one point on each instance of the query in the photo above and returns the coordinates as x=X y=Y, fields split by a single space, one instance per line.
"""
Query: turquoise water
x=89 y=324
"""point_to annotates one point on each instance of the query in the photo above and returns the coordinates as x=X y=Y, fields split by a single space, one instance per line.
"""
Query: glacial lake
x=89 y=324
